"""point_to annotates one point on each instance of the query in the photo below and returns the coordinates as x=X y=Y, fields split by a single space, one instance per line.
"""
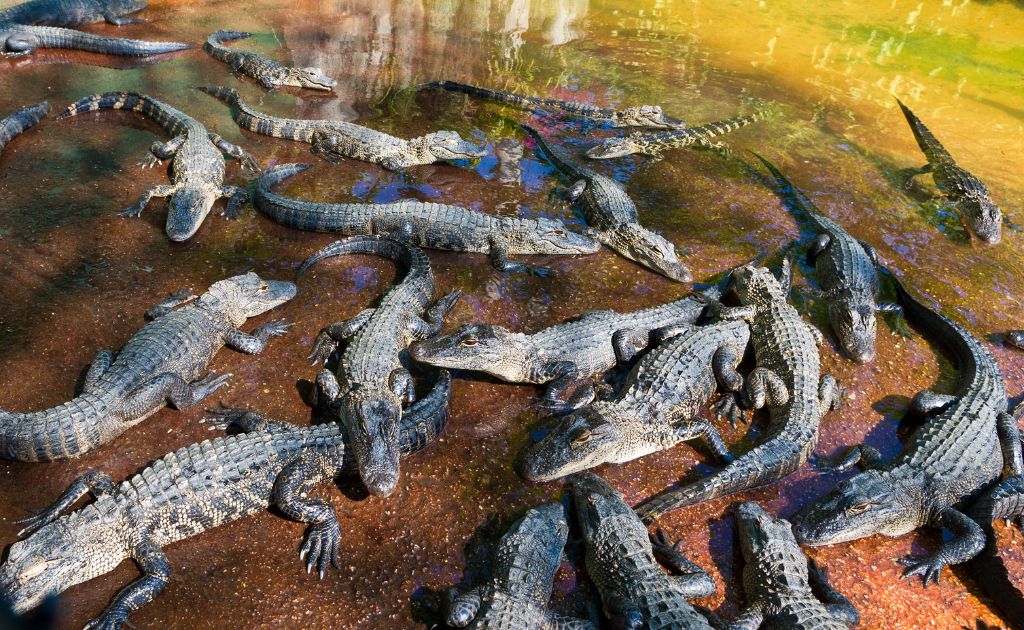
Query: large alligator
x=525 y=562
x=649 y=116
x=656 y=143
x=197 y=167
x=958 y=452
x=21 y=120
x=432 y=225
x=188 y=492
x=334 y=140
x=784 y=588
x=371 y=384
x=787 y=379
x=657 y=407
x=612 y=215
x=623 y=564
x=268 y=72
x=965 y=192
x=160 y=364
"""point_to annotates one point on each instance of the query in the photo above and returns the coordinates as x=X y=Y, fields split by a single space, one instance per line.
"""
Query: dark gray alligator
x=371 y=384
x=516 y=598
x=188 y=492
x=784 y=588
x=73 y=12
x=787 y=379
x=197 y=167
x=621 y=561
x=432 y=225
x=268 y=72
x=21 y=120
x=656 y=408
x=160 y=364
x=1015 y=338
x=334 y=140
x=612 y=216
x=965 y=192
x=656 y=143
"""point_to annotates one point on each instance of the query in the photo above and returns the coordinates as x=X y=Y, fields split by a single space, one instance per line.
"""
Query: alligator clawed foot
x=133 y=212
x=322 y=350
x=540 y=272
x=728 y=407
x=321 y=547
x=928 y=567
x=222 y=417
x=660 y=541
x=209 y=384
x=275 y=328
x=249 y=163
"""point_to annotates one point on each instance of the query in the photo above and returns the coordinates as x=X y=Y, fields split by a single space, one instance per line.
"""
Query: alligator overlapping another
x=21 y=120
x=657 y=143
x=268 y=72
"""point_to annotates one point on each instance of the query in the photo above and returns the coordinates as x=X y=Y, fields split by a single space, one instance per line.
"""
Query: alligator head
x=861 y=506
x=247 y=295
x=649 y=116
x=648 y=248
x=758 y=529
x=482 y=348
x=597 y=503
x=984 y=217
x=757 y=285
x=546 y=236
x=448 y=146
x=188 y=208
x=855 y=326
x=580 y=441
x=536 y=541
x=372 y=423
x=614 y=147
x=312 y=78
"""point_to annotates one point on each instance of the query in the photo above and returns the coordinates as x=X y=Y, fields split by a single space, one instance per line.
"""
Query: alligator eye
x=263 y=288
x=560 y=233
x=580 y=436
x=469 y=342
x=858 y=508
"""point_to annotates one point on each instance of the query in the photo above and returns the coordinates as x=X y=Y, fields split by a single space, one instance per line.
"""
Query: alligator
x=612 y=215
x=334 y=140
x=787 y=379
x=432 y=225
x=1005 y=500
x=965 y=192
x=785 y=589
x=656 y=143
x=648 y=116
x=959 y=450
x=655 y=409
x=197 y=167
x=188 y=492
x=160 y=364
x=268 y=72
x=73 y=12
x=622 y=561
x=846 y=273
x=371 y=384
x=1015 y=338
x=21 y=120
x=525 y=562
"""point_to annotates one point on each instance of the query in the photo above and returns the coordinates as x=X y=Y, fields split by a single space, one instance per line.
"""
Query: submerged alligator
x=432 y=225
x=656 y=143
x=21 y=120
x=188 y=492
x=268 y=72
x=197 y=166
x=334 y=140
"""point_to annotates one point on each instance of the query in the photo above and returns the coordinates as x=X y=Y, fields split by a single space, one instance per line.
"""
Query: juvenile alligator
x=787 y=378
x=965 y=192
x=21 y=120
x=953 y=457
x=160 y=364
x=649 y=116
x=432 y=225
x=268 y=72
x=371 y=384
x=656 y=143
x=656 y=408
x=188 y=492
x=73 y=12
x=516 y=598
x=334 y=140
x=635 y=590
x=197 y=166
x=613 y=217
x=784 y=588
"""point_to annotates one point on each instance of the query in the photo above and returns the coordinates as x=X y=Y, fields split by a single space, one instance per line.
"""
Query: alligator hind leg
x=830 y=394
x=555 y=621
x=291 y=495
x=100 y=364
x=724 y=363
x=155 y=573
x=164 y=190
x=929 y=403
x=236 y=197
x=1009 y=441
x=93 y=482
x=498 y=256
x=245 y=420
x=257 y=341
x=173 y=301
x=628 y=341
x=402 y=385
x=867 y=457
x=168 y=388
x=750 y=619
x=245 y=159
x=704 y=430
x=763 y=387
x=563 y=376
x=331 y=336
x=160 y=151
x=693 y=580
x=838 y=606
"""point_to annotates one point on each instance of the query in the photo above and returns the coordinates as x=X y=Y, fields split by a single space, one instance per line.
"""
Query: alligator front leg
x=706 y=431
x=830 y=394
x=694 y=582
x=434 y=320
x=100 y=364
x=764 y=386
x=463 y=607
x=164 y=190
x=173 y=301
x=328 y=389
x=1009 y=441
x=160 y=151
x=968 y=540
x=93 y=482
x=498 y=256
x=563 y=376
x=168 y=388
x=245 y=420
x=867 y=457
x=155 y=573
x=838 y=606
x=402 y=386
x=331 y=336
x=117 y=20
x=291 y=496
x=627 y=342
x=245 y=159
x=257 y=341
x=236 y=197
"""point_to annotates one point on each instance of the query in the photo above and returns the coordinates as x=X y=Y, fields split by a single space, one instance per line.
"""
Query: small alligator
x=516 y=598
x=787 y=379
x=784 y=588
x=188 y=492
x=21 y=120
x=73 y=12
x=197 y=167
x=656 y=143
x=649 y=116
x=964 y=191
x=656 y=408
x=432 y=225
x=160 y=364
x=334 y=140
x=268 y=72
x=621 y=561
x=612 y=216
x=371 y=384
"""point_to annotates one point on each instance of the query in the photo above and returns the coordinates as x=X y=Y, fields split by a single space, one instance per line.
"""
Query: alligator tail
x=556 y=157
x=411 y=257
x=227 y=95
x=62 y=432
x=214 y=46
x=247 y=118
x=277 y=174
x=722 y=127
x=426 y=419
x=169 y=119
x=20 y=121
x=930 y=145
x=494 y=95
x=54 y=37
x=787 y=190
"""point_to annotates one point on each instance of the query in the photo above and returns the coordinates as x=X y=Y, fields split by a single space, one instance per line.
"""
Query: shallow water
x=76 y=278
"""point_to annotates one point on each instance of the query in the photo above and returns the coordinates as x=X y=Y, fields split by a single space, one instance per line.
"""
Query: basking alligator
x=160 y=364
x=188 y=492
x=649 y=116
x=334 y=140
x=371 y=384
x=73 y=12
x=784 y=588
x=620 y=559
x=268 y=72
x=516 y=598
x=964 y=191
x=433 y=225
x=787 y=379
x=656 y=408
x=656 y=143
x=951 y=459
x=197 y=166
x=613 y=217
x=21 y=120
